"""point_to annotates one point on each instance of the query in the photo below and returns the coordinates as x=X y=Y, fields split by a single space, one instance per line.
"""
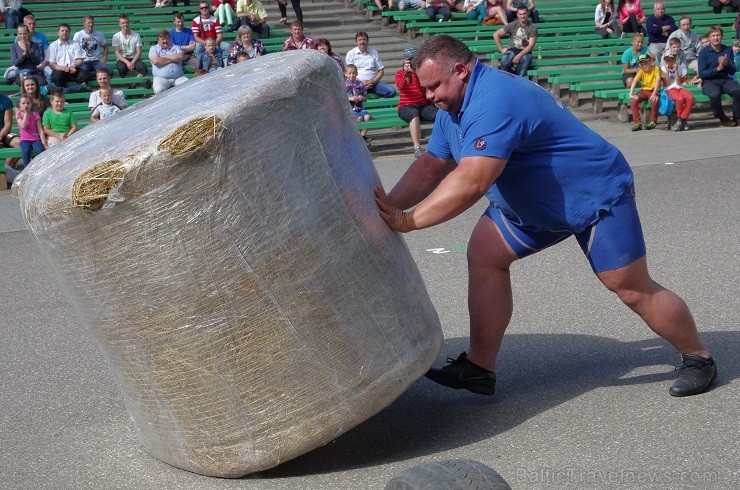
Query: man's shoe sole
x=440 y=377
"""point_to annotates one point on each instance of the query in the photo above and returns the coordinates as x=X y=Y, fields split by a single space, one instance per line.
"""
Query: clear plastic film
x=222 y=242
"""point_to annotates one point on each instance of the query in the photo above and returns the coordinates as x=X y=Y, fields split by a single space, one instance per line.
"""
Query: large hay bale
x=222 y=242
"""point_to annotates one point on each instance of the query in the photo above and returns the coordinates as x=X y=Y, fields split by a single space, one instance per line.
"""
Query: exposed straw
x=191 y=135
x=90 y=190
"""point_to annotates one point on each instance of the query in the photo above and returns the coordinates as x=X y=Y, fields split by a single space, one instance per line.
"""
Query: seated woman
x=245 y=43
x=606 y=19
x=413 y=104
x=631 y=16
x=323 y=45
x=479 y=10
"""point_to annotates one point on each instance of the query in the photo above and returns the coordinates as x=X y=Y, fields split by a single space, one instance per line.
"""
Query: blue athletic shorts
x=614 y=241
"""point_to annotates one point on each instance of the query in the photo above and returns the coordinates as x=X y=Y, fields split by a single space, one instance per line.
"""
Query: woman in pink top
x=631 y=16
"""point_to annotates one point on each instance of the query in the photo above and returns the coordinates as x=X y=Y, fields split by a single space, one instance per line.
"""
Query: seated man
x=127 y=49
x=206 y=26
x=252 y=13
x=65 y=59
x=183 y=37
x=522 y=38
x=717 y=5
x=27 y=56
x=94 y=45
x=117 y=96
x=166 y=63
x=297 y=40
x=659 y=26
x=370 y=68
x=11 y=10
x=716 y=69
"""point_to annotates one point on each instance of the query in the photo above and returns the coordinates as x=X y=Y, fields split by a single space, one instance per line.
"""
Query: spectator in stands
x=224 y=11
x=252 y=13
x=30 y=87
x=65 y=59
x=717 y=5
x=512 y=10
x=323 y=45
x=127 y=49
x=297 y=40
x=631 y=16
x=59 y=122
x=674 y=75
x=210 y=60
x=183 y=38
x=383 y=4
x=736 y=54
x=95 y=46
x=186 y=3
x=690 y=44
x=659 y=26
x=12 y=11
x=736 y=27
x=40 y=39
x=206 y=26
x=649 y=76
x=606 y=19
x=117 y=96
x=631 y=59
x=674 y=48
x=7 y=138
x=370 y=68
x=106 y=108
x=166 y=64
x=245 y=43
x=441 y=7
x=411 y=4
x=479 y=10
x=296 y=4
x=716 y=68
x=522 y=38
x=413 y=105
x=27 y=56
x=29 y=127
x=357 y=95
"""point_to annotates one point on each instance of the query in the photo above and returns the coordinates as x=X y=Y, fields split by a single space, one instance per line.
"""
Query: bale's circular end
x=90 y=190
x=455 y=474
x=191 y=135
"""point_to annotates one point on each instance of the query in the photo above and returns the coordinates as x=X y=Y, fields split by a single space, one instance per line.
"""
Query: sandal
x=282 y=21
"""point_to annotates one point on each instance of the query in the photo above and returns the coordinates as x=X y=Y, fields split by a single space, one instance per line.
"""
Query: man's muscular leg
x=663 y=311
x=489 y=292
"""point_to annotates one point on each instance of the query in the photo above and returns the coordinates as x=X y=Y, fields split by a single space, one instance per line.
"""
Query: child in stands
x=649 y=76
x=29 y=124
x=357 y=95
x=59 y=123
x=106 y=108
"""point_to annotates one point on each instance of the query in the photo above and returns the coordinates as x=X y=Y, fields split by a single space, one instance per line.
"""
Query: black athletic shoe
x=462 y=374
x=695 y=375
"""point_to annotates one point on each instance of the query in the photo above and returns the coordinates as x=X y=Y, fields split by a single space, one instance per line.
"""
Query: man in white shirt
x=94 y=45
x=166 y=63
x=127 y=49
x=65 y=59
x=370 y=68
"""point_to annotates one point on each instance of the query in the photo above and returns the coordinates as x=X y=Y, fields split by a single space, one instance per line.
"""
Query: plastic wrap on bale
x=222 y=242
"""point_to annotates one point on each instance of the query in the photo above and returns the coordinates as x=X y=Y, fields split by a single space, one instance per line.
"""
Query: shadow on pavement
x=554 y=368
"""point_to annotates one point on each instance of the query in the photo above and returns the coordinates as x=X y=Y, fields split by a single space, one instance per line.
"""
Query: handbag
x=666 y=105
x=492 y=21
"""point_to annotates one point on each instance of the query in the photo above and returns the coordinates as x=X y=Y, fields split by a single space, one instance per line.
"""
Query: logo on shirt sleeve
x=480 y=144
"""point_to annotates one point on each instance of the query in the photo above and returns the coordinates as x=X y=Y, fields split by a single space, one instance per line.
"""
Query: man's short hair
x=88 y=17
x=164 y=34
x=178 y=15
x=522 y=7
x=29 y=17
x=57 y=93
x=63 y=24
x=715 y=28
x=362 y=34
x=296 y=23
x=122 y=16
x=445 y=46
x=101 y=70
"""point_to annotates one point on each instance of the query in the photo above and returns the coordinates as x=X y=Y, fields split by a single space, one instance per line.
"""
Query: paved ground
x=581 y=401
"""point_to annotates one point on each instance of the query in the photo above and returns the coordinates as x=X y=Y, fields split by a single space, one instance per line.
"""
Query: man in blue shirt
x=184 y=38
x=659 y=27
x=547 y=177
x=716 y=67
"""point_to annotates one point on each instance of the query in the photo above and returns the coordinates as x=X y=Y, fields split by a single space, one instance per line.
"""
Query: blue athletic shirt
x=559 y=174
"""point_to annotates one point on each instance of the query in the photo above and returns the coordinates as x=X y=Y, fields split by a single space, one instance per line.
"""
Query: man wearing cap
x=413 y=105
x=716 y=69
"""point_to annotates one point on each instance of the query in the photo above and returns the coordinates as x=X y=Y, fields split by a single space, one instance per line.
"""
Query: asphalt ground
x=581 y=399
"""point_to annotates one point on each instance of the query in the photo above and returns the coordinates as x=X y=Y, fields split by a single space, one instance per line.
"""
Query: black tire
x=455 y=474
